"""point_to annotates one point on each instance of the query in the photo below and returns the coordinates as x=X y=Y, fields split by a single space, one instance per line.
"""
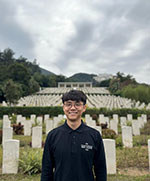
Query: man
x=74 y=151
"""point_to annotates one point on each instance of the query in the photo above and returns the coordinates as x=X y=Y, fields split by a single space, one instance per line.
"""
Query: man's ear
x=84 y=108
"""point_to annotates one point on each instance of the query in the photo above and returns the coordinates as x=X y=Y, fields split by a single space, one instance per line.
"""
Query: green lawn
x=132 y=163
x=21 y=177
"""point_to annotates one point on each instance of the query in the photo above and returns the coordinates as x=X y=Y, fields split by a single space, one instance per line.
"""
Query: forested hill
x=46 y=72
x=81 y=77
x=21 y=77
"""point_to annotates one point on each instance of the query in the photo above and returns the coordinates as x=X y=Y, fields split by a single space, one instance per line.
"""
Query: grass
x=21 y=177
x=136 y=157
x=132 y=163
x=128 y=178
x=26 y=140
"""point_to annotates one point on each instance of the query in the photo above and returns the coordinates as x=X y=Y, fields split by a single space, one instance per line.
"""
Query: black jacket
x=73 y=155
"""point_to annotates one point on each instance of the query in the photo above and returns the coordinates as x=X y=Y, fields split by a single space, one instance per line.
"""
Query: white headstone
x=101 y=119
x=107 y=121
x=135 y=127
x=37 y=137
x=149 y=152
x=7 y=134
x=19 y=119
x=56 y=121
x=110 y=152
x=115 y=117
x=49 y=125
x=92 y=123
x=88 y=121
x=123 y=121
x=27 y=128
x=10 y=156
x=61 y=116
x=129 y=117
x=98 y=128
x=127 y=136
x=39 y=120
x=46 y=117
x=144 y=116
x=87 y=116
x=141 y=122
x=33 y=118
x=114 y=125
x=6 y=123
x=23 y=120
x=5 y=117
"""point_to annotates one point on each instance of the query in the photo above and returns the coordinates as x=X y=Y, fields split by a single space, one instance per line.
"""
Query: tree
x=12 y=92
x=19 y=73
x=33 y=86
x=7 y=56
x=119 y=82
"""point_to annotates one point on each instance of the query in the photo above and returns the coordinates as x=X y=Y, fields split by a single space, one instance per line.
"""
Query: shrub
x=95 y=117
x=119 y=141
x=54 y=111
x=31 y=161
x=18 y=128
x=13 y=119
x=108 y=133
x=104 y=125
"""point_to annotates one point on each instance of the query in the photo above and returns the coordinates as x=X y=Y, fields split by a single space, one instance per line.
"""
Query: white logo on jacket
x=86 y=146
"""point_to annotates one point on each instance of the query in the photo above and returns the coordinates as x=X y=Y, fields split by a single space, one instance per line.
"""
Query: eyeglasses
x=76 y=105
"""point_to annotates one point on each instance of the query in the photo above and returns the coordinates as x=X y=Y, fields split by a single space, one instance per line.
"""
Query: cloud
x=67 y=37
x=12 y=34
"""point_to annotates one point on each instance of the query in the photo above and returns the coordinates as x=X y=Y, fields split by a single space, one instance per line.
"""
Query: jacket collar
x=70 y=130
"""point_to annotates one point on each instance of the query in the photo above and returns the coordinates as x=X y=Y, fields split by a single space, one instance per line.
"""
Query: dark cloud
x=139 y=13
x=12 y=34
x=77 y=46
x=114 y=31
x=109 y=35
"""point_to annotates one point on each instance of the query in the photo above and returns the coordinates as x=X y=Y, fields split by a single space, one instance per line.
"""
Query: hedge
x=54 y=111
x=27 y=111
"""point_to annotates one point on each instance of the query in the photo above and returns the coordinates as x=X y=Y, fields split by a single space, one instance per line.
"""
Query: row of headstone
x=52 y=97
x=113 y=123
x=41 y=100
x=11 y=147
x=127 y=131
x=11 y=150
x=36 y=131
x=37 y=143
x=92 y=123
x=11 y=155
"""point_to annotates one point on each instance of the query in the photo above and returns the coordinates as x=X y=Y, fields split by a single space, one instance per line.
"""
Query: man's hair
x=74 y=95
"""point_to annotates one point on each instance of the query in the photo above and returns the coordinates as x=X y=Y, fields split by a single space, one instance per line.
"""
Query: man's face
x=73 y=110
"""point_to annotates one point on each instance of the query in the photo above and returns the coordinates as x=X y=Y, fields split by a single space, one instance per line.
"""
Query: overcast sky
x=72 y=36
